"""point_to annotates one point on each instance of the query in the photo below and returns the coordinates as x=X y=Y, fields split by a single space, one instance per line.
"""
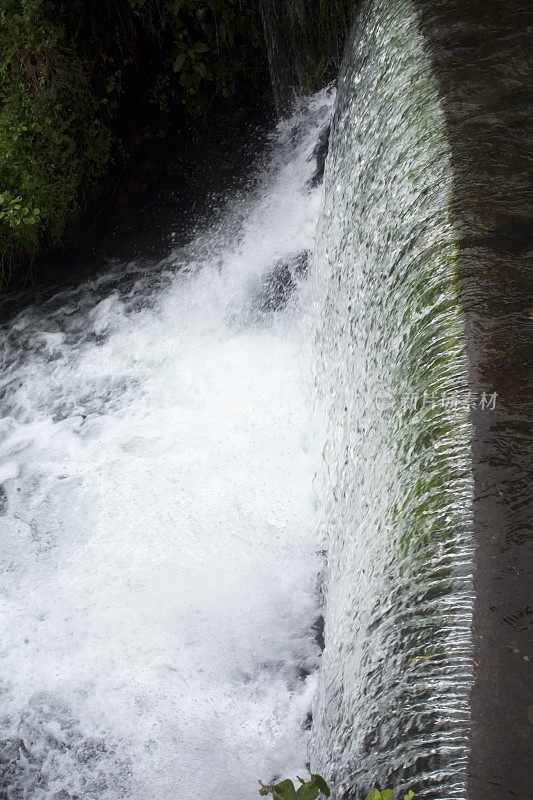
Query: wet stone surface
x=480 y=55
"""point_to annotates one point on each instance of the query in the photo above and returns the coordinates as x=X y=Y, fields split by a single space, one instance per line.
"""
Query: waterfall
x=189 y=450
x=392 y=700
x=158 y=531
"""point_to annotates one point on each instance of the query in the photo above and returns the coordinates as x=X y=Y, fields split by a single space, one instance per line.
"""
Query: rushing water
x=168 y=495
x=392 y=702
x=158 y=536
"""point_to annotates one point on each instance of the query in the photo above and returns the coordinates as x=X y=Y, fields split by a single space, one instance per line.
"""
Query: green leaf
x=202 y=70
x=200 y=47
x=322 y=785
x=410 y=794
x=179 y=62
x=286 y=790
x=308 y=791
x=374 y=794
x=387 y=794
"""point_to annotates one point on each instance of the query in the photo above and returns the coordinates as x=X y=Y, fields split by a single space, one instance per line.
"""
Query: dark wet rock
x=277 y=287
x=318 y=630
x=320 y=153
x=3 y=500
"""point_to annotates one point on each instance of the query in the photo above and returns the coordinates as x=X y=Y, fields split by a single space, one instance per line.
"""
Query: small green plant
x=14 y=212
x=387 y=794
x=310 y=790
x=285 y=790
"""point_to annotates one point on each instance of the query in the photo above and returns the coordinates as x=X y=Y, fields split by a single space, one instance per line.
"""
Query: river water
x=237 y=486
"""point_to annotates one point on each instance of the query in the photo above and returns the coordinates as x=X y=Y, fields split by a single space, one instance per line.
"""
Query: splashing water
x=158 y=531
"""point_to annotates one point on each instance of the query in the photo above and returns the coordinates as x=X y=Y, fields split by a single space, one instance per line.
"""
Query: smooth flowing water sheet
x=392 y=702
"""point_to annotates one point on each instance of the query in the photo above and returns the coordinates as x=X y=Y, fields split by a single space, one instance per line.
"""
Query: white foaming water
x=159 y=559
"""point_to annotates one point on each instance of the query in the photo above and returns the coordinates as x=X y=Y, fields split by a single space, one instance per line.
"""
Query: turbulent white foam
x=157 y=540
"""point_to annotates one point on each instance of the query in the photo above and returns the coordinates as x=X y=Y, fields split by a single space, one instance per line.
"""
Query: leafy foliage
x=308 y=790
x=387 y=794
x=216 y=43
x=79 y=81
x=51 y=140
x=72 y=76
x=316 y=787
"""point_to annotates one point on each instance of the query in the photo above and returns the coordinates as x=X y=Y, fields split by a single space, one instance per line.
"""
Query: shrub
x=51 y=139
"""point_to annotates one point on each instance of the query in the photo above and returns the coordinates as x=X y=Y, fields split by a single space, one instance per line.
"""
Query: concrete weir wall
x=480 y=51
